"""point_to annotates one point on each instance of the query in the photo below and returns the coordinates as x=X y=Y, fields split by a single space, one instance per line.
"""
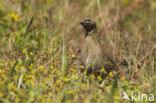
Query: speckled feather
x=93 y=56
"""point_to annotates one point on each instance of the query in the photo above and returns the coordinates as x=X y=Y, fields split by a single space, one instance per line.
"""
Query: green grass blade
x=20 y=78
x=64 y=58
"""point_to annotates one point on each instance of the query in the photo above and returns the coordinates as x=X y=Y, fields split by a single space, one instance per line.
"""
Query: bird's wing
x=109 y=61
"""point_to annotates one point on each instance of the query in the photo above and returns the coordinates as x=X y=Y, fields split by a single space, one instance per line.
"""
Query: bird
x=93 y=56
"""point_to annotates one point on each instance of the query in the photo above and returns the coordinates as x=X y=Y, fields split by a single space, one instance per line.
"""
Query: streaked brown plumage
x=93 y=56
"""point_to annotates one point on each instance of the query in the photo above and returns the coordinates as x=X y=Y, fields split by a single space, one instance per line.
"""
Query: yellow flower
x=129 y=87
x=82 y=67
x=34 y=59
x=7 y=68
x=49 y=0
x=66 y=79
x=99 y=78
x=85 y=72
x=103 y=70
x=52 y=67
x=92 y=76
x=1 y=71
x=3 y=76
x=6 y=63
x=136 y=70
x=58 y=74
x=122 y=78
x=55 y=69
x=83 y=86
x=18 y=67
x=94 y=96
x=135 y=90
x=73 y=70
x=14 y=16
x=40 y=67
x=1 y=94
x=28 y=76
x=1 y=64
x=110 y=74
x=73 y=55
x=31 y=66
x=24 y=51
x=31 y=53
x=58 y=82
x=69 y=92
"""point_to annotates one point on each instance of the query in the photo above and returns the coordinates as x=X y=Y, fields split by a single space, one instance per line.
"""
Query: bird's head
x=89 y=24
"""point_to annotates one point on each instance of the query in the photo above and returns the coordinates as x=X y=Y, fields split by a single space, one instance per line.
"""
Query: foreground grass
x=37 y=66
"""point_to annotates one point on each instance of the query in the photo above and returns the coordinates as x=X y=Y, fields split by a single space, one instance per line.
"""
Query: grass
x=40 y=42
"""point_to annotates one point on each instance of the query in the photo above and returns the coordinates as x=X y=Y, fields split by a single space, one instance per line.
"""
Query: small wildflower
x=6 y=63
x=1 y=64
x=69 y=92
x=49 y=0
x=103 y=70
x=73 y=55
x=82 y=67
x=94 y=96
x=24 y=52
x=61 y=86
x=3 y=75
x=34 y=59
x=92 y=76
x=85 y=72
x=7 y=68
x=18 y=67
x=13 y=62
x=66 y=79
x=30 y=53
x=31 y=66
x=129 y=87
x=110 y=74
x=117 y=98
x=28 y=77
x=73 y=77
x=135 y=90
x=14 y=16
x=52 y=67
x=57 y=83
x=1 y=94
x=40 y=67
x=83 y=86
x=55 y=69
x=58 y=74
x=73 y=70
x=51 y=87
x=122 y=78
x=99 y=78
x=136 y=70
x=1 y=71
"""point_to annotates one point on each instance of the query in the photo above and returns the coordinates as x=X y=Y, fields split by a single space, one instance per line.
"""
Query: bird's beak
x=81 y=22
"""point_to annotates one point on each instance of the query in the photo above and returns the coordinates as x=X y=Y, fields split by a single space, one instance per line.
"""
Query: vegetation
x=40 y=42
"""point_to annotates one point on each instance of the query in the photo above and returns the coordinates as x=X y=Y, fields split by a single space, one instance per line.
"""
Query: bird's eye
x=88 y=19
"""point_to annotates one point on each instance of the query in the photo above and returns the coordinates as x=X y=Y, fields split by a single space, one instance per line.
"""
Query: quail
x=93 y=56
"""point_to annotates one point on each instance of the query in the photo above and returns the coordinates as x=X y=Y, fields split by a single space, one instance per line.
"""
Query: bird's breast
x=91 y=52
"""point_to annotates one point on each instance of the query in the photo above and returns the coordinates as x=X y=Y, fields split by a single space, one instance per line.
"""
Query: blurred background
x=31 y=36
x=118 y=21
